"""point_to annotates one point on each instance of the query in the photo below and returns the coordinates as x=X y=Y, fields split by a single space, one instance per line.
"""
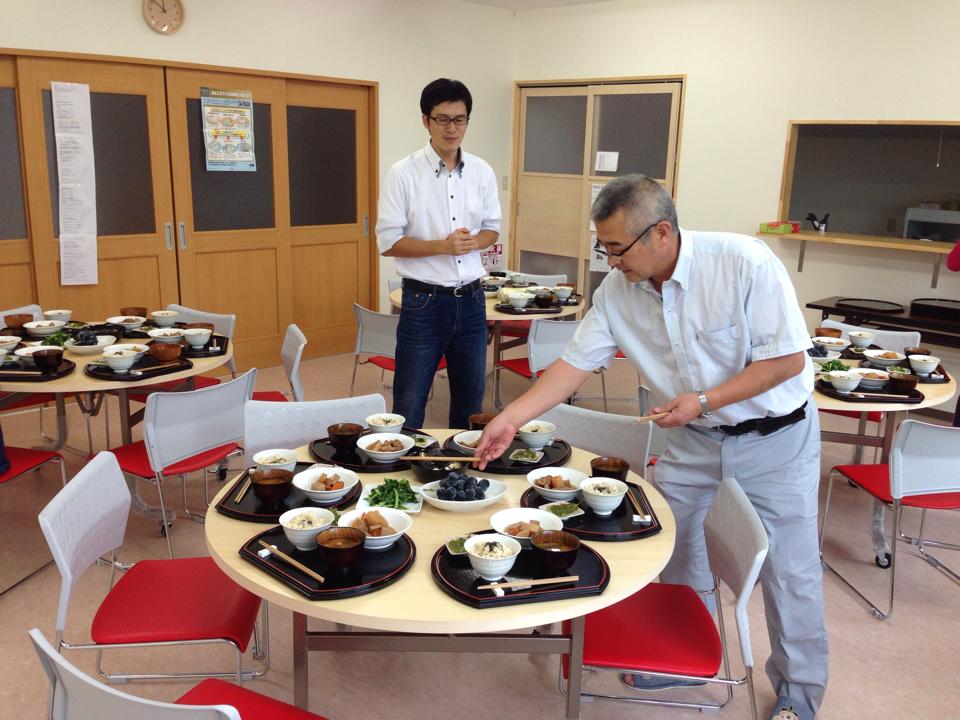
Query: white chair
x=377 y=339
x=545 y=280
x=76 y=695
x=223 y=324
x=294 y=341
x=666 y=631
x=924 y=472
x=895 y=340
x=188 y=431
x=292 y=425
x=394 y=284
x=603 y=433
x=546 y=342
x=156 y=602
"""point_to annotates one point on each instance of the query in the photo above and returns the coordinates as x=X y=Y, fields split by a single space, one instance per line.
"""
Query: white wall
x=751 y=66
x=402 y=44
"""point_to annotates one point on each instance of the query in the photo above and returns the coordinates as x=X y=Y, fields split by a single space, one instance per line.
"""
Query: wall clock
x=164 y=16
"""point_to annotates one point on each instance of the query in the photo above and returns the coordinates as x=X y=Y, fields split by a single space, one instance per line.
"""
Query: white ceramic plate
x=576 y=513
x=493 y=494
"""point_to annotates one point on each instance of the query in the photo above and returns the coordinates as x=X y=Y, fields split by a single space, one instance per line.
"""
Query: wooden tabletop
x=79 y=381
x=497 y=316
x=415 y=603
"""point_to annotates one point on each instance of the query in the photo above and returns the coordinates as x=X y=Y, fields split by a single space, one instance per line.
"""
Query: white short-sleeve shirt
x=421 y=199
x=728 y=303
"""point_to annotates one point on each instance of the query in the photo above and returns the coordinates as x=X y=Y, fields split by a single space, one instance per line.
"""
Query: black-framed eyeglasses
x=601 y=250
x=444 y=120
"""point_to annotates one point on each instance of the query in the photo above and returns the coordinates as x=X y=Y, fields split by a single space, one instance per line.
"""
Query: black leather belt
x=459 y=291
x=766 y=425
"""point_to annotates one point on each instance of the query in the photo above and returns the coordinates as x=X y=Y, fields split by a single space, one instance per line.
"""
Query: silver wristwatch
x=704 y=405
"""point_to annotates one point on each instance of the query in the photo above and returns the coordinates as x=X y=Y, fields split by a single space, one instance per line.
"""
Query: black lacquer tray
x=456 y=577
x=874 y=396
x=941 y=308
x=377 y=569
x=554 y=453
x=148 y=366
x=508 y=309
x=922 y=379
x=358 y=461
x=251 y=509
x=616 y=527
x=14 y=371
x=220 y=342
x=574 y=299
x=878 y=306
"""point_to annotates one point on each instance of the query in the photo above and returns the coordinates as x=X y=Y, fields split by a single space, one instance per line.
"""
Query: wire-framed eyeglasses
x=444 y=120
x=601 y=250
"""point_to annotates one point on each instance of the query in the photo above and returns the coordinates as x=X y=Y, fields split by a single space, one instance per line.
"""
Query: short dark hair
x=645 y=200
x=444 y=90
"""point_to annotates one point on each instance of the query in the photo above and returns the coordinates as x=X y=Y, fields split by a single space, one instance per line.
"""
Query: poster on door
x=492 y=257
x=228 y=129
x=598 y=261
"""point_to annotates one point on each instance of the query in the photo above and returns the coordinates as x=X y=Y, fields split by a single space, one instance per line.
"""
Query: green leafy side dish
x=58 y=338
x=526 y=455
x=833 y=365
x=456 y=546
x=563 y=510
x=392 y=493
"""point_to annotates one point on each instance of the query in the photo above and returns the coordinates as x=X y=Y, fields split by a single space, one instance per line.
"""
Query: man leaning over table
x=712 y=321
x=439 y=207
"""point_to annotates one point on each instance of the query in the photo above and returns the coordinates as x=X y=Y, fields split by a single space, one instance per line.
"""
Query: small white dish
x=455 y=545
x=43 y=328
x=164 y=318
x=861 y=338
x=871 y=378
x=385 y=422
x=503 y=519
x=124 y=347
x=493 y=493
x=381 y=456
x=26 y=353
x=423 y=441
x=832 y=343
x=166 y=335
x=884 y=358
x=844 y=381
x=103 y=341
x=397 y=519
x=305 y=538
x=923 y=364
x=465 y=441
x=537 y=433
x=62 y=315
x=563 y=503
x=197 y=337
x=276 y=459
x=520 y=299
x=491 y=568
x=304 y=480
x=563 y=292
x=9 y=342
x=120 y=361
x=602 y=503
x=526 y=455
x=831 y=355
x=130 y=322
x=575 y=477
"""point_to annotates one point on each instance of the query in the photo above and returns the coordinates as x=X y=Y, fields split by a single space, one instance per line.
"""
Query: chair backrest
x=34 y=310
x=545 y=280
x=602 y=433
x=737 y=546
x=376 y=332
x=895 y=340
x=291 y=425
x=177 y=425
x=547 y=341
x=223 y=323
x=925 y=459
x=77 y=695
x=394 y=284
x=294 y=341
x=658 y=436
x=85 y=520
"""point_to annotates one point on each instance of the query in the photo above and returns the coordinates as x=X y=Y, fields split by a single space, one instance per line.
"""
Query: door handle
x=182 y=227
x=168 y=231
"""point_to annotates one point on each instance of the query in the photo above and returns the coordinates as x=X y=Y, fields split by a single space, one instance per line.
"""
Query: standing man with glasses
x=439 y=208
x=711 y=320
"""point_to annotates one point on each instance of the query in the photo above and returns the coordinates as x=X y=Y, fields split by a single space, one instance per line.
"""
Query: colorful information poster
x=228 y=129
x=492 y=257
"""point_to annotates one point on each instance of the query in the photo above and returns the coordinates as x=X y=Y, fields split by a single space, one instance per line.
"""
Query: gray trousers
x=780 y=473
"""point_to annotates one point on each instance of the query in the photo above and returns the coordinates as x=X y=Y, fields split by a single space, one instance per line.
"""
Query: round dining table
x=414 y=615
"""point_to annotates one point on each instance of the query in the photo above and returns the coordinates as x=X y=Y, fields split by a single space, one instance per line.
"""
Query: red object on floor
x=387 y=363
x=953 y=259
x=521 y=366
x=251 y=705
x=873 y=416
x=514 y=328
x=270 y=396
x=875 y=479
x=662 y=628
x=23 y=460
x=180 y=599
x=133 y=459
x=29 y=401
x=199 y=382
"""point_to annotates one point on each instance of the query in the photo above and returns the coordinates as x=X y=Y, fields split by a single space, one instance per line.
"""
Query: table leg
x=126 y=436
x=61 y=424
x=301 y=696
x=575 y=679
x=881 y=543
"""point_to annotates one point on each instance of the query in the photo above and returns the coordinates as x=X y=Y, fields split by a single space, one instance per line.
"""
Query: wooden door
x=136 y=261
x=328 y=129
x=16 y=260
x=233 y=228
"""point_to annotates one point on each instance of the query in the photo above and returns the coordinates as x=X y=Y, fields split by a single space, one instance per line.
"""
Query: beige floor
x=900 y=668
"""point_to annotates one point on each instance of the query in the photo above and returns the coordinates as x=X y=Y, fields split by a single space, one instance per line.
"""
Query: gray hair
x=644 y=199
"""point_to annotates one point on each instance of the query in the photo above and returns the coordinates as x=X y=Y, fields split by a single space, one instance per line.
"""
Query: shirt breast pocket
x=721 y=347
x=473 y=207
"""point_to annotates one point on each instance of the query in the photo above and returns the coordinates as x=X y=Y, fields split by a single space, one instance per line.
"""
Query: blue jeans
x=433 y=326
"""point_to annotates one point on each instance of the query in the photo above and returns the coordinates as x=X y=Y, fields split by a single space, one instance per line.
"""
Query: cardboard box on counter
x=780 y=228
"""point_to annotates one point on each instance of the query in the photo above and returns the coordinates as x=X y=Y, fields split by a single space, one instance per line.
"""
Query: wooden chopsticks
x=527 y=583
x=290 y=561
x=635 y=503
x=243 y=490
x=647 y=418
x=448 y=458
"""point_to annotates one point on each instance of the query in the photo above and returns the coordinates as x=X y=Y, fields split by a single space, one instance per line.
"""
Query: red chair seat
x=662 y=628
x=200 y=381
x=875 y=479
x=270 y=396
x=388 y=363
x=619 y=355
x=251 y=705
x=23 y=460
x=181 y=599
x=520 y=365
x=515 y=328
x=133 y=459
x=29 y=401
x=873 y=416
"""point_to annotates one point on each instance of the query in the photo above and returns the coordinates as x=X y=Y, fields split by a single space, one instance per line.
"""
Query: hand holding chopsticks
x=647 y=418
x=294 y=563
